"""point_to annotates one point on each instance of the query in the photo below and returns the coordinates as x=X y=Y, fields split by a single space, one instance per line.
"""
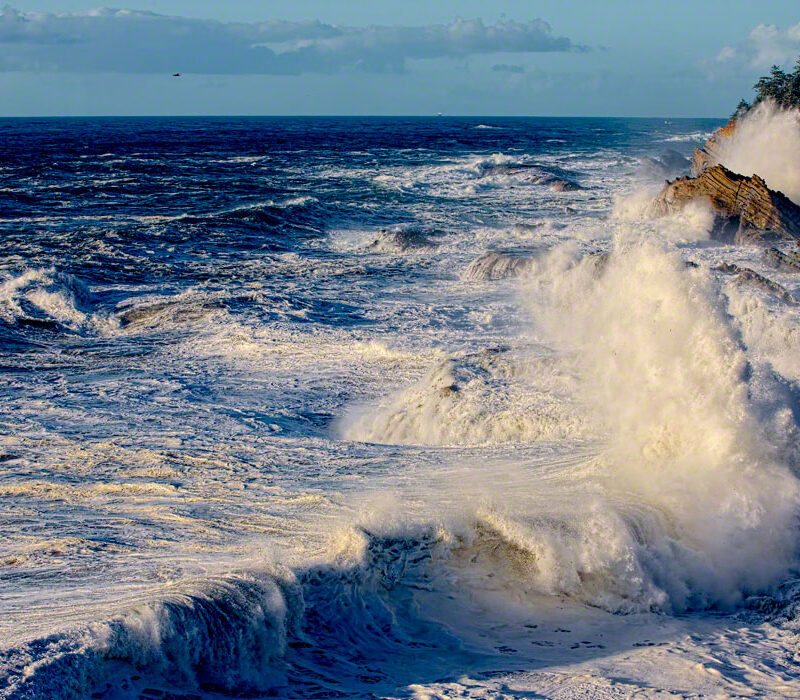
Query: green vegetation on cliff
x=781 y=87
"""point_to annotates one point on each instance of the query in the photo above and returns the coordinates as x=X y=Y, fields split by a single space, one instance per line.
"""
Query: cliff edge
x=746 y=210
x=711 y=154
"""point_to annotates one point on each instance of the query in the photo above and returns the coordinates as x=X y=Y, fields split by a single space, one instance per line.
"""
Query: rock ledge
x=747 y=211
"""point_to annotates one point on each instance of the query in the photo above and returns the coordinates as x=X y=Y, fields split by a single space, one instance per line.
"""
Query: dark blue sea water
x=359 y=407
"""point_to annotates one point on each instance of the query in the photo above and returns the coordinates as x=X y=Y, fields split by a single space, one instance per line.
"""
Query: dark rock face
x=401 y=240
x=747 y=211
x=559 y=185
x=785 y=262
x=709 y=155
x=751 y=278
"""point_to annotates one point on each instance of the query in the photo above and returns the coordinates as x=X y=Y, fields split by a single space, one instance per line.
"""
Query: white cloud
x=130 y=41
x=728 y=53
x=770 y=45
x=766 y=45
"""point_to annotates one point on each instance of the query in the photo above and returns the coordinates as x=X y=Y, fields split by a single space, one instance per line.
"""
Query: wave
x=490 y=397
x=298 y=215
x=664 y=370
x=494 y=266
x=476 y=174
x=300 y=212
x=766 y=142
x=345 y=623
x=692 y=501
x=352 y=623
x=356 y=623
x=700 y=136
x=225 y=635
x=47 y=299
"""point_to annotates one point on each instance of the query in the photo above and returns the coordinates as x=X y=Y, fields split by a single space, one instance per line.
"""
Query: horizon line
x=344 y=116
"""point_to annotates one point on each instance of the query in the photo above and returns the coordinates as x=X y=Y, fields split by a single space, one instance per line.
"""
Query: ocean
x=387 y=408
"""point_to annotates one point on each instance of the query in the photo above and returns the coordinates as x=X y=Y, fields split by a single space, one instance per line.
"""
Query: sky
x=682 y=58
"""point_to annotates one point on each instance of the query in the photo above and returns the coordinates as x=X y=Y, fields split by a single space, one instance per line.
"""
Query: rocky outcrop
x=401 y=240
x=785 y=262
x=751 y=278
x=560 y=185
x=747 y=211
x=710 y=154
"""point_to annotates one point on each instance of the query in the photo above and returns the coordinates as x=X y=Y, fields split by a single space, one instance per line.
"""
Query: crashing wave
x=226 y=636
x=354 y=622
x=496 y=266
x=766 y=142
x=489 y=397
x=48 y=299
x=663 y=368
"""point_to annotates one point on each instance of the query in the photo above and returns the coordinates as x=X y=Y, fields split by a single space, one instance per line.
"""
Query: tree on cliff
x=781 y=87
x=741 y=109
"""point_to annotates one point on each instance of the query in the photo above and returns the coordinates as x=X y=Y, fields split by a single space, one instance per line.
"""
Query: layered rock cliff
x=746 y=210
x=711 y=153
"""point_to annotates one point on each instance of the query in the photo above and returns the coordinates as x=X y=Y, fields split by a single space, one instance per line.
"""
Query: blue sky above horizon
x=615 y=58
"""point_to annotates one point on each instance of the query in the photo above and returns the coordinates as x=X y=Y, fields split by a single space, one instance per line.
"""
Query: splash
x=766 y=142
x=49 y=298
x=664 y=371
x=473 y=399
x=691 y=224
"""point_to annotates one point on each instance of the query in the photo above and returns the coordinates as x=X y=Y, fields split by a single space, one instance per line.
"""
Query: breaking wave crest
x=356 y=621
x=495 y=265
x=224 y=636
x=481 y=398
x=301 y=216
x=49 y=299
x=692 y=500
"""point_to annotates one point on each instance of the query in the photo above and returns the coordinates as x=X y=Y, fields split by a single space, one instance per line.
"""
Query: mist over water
x=388 y=408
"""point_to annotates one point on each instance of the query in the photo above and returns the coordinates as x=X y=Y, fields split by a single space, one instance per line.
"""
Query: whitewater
x=391 y=408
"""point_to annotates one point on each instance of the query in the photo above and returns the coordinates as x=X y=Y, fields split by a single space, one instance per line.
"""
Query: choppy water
x=271 y=424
